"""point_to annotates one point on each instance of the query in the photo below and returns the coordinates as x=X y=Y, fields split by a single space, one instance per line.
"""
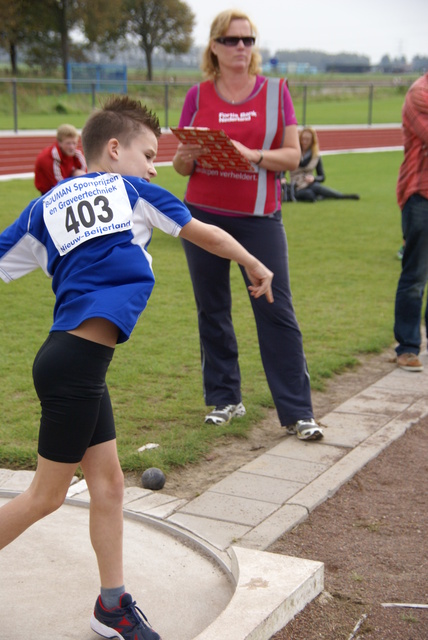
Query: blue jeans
x=414 y=276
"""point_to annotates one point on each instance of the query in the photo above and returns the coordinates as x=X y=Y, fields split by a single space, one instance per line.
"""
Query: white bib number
x=84 y=208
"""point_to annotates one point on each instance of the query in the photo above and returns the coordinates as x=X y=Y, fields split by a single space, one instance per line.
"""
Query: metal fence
x=46 y=103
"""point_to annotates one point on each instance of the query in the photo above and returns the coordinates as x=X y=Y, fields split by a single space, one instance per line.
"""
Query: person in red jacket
x=412 y=198
x=60 y=160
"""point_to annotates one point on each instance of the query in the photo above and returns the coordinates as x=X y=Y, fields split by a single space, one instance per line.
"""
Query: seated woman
x=304 y=185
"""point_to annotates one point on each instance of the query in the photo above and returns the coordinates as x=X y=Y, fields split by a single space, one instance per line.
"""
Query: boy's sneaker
x=409 y=362
x=126 y=622
x=305 y=430
x=222 y=414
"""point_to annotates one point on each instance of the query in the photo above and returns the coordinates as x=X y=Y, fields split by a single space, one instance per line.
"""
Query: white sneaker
x=222 y=414
x=305 y=430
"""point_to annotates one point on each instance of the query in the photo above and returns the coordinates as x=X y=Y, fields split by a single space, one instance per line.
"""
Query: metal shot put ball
x=153 y=478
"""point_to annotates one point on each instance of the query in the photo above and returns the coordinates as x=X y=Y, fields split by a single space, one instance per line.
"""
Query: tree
x=16 y=21
x=55 y=20
x=385 y=62
x=420 y=63
x=96 y=19
x=43 y=27
x=101 y=21
x=166 y=24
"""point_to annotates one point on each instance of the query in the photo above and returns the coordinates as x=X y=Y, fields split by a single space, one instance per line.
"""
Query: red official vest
x=259 y=124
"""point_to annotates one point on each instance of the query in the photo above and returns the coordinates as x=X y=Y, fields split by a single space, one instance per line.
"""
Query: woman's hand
x=309 y=179
x=286 y=158
x=253 y=155
x=185 y=157
x=189 y=152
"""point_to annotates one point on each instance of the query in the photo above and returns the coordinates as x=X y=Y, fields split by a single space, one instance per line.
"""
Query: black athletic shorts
x=69 y=376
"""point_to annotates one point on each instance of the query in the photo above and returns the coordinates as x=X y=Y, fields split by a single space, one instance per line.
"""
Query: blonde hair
x=315 y=147
x=219 y=26
x=66 y=131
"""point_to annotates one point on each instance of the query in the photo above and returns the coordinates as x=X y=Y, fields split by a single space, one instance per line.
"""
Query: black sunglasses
x=233 y=41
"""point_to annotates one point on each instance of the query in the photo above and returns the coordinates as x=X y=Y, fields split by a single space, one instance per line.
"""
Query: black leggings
x=69 y=377
x=317 y=191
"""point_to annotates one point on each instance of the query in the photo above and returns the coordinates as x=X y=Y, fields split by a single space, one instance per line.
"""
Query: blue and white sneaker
x=126 y=622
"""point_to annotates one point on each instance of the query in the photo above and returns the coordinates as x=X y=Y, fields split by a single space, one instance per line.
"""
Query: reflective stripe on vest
x=272 y=100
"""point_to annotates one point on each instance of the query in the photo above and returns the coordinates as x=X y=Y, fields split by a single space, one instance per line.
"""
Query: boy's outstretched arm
x=221 y=243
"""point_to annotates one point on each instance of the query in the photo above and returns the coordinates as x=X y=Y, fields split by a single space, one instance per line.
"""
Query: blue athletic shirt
x=90 y=234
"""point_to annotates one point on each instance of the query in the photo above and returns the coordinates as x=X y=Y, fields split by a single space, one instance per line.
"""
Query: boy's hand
x=215 y=240
x=261 y=281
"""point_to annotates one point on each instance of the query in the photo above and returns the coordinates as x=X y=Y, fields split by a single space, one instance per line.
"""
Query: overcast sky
x=368 y=27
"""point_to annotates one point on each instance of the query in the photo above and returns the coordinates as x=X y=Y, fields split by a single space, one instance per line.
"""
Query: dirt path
x=372 y=537
x=233 y=453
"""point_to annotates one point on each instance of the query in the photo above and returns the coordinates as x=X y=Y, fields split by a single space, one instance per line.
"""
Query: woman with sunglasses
x=258 y=115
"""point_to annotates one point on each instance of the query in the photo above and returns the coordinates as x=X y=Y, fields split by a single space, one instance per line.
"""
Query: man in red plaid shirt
x=412 y=196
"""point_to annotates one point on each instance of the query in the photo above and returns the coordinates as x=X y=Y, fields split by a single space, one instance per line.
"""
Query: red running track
x=18 y=151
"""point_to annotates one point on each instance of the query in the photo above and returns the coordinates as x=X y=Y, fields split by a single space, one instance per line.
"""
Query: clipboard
x=222 y=152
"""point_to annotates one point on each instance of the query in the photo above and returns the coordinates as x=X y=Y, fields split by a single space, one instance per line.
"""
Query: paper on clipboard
x=222 y=153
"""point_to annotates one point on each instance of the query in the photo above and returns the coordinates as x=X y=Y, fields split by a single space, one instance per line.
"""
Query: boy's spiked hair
x=120 y=117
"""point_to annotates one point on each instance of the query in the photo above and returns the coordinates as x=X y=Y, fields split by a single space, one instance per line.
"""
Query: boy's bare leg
x=104 y=477
x=45 y=494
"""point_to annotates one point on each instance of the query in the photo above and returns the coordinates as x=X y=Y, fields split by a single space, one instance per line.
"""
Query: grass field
x=344 y=272
x=350 y=111
x=329 y=100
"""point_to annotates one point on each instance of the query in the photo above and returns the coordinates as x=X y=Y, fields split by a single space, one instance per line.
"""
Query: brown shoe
x=409 y=362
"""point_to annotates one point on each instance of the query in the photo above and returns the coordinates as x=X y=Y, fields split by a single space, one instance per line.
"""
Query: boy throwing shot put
x=90 y=235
